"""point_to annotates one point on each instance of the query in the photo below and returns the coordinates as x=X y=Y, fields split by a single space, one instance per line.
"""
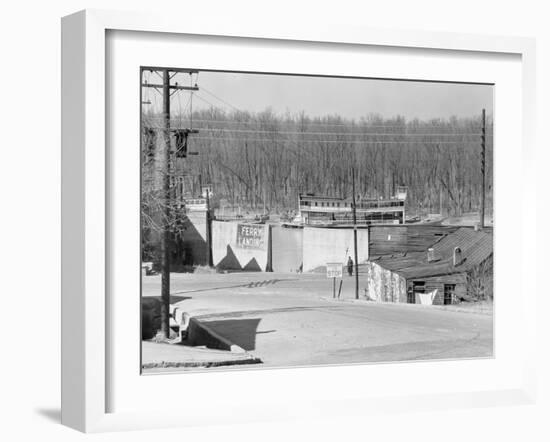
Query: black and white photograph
x=302 y=220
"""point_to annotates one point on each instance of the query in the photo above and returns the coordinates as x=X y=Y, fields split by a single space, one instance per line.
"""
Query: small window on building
x=448 y=293
x=418 y=287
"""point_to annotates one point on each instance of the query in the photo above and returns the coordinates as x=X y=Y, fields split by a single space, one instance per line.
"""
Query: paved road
x=289 y=319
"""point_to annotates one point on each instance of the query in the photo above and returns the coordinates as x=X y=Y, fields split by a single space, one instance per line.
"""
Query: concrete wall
x=286 y=248
x=228 y=254
x=322 y=245
x=384 y=285
x=194 y=238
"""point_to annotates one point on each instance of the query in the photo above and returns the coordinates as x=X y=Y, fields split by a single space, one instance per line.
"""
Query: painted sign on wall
x=251 y=236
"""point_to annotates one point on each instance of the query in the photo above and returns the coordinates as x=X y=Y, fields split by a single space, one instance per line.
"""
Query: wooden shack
x=446 y=272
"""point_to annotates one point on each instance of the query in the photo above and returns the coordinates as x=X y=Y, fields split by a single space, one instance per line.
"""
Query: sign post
x=334 y=270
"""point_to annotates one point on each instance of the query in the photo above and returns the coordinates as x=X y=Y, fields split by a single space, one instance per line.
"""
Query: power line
x=207 y=102
x=316 y=122
x=220 y=99
x=346 y=134
x=335 y=141
x=359 y=125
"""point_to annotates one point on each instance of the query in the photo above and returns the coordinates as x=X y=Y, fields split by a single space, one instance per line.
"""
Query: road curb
x=201 y=364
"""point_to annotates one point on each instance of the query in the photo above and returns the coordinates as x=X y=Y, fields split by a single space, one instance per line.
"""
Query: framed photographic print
x=276 y=222
x=248 y=199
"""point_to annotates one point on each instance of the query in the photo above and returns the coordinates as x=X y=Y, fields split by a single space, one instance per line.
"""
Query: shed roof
x=476 y=247
x=401 y=238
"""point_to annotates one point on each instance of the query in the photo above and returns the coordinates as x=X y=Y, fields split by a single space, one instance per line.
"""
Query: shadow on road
x=239 y=331
x=173 y=299
x=250 y=285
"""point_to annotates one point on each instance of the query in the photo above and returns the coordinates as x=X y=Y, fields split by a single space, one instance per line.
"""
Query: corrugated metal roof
x=389 y=240
x=476 y=247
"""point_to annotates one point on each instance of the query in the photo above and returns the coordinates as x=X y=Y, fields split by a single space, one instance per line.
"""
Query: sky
x=350 y=98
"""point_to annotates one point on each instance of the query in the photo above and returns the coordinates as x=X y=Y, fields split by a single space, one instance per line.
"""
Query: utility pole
x=355 y=235
x=440 y=201
x=208 y=229
x=165 y=197
x=482 y=212
x=163 y=167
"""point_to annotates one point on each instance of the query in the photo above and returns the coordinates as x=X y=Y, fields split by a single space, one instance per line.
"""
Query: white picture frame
x=86 y=314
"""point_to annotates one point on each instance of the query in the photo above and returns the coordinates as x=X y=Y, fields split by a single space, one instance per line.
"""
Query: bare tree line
x=258 y=160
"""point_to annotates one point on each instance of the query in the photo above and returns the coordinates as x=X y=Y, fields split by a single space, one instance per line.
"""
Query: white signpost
x=334 y=270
